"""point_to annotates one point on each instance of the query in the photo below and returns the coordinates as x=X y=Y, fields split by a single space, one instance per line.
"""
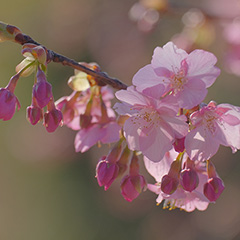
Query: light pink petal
x=229 y=135
x=201 y=64
x=75 y=123
x=178 y=124
x=159 y=169
x=169 y=57
x=112 y=132
x=154 y=188
x=200 y=144
x=156 y=143
x=86 y=138
x=131 y=96
x=131 y=133
x=231 y=113
x=148 y=82
x=193 y=94
x=124 y=109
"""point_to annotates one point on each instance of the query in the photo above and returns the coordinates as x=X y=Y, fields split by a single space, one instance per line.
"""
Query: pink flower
x=213 y=125
x=152 y=126
x=184 y=76
x=8 y=103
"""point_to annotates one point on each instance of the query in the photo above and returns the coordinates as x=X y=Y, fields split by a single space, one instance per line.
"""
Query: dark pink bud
x=34 y=114
x=52 y=119
x=42 y=90
x=8 y=103
x=213 y=188
x=106 y=173
x=189 y=179
x=179 y=145
x=169 y=184
x=132 y=186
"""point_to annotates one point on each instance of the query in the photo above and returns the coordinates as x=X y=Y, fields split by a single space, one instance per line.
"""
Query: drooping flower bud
x=170 y=181
x=34 y=114
x=106 y=173
x=213 y=188
x=132 y=186
x=42 y=90
x=8 y=101
x=189 y=177
x=52 y=118
x=169 y=184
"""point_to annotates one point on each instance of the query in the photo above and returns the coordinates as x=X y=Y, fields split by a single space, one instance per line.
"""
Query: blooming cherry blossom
x=185 y=77
x=213 y=125
x=152 y=126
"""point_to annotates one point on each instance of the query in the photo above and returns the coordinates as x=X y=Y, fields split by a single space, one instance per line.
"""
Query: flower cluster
x=88 y=111
x=161 y=116
x=164 y=110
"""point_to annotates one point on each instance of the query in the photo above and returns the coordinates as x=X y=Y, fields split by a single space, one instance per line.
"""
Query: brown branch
x=100 y=77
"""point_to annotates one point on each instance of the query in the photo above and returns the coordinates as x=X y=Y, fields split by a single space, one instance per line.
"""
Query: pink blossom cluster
x=161 y=116
x=164 y=109
x=88 y=111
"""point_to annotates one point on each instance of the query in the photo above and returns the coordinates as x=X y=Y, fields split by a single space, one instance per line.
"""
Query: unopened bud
x=132 y=186
x=189 y=179
x=106 y=173
x=169 y=184
x=213 y=188
x=52 y=119
x=34 y=114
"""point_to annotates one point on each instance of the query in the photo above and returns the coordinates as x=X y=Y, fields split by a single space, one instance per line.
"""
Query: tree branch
x=101 y=77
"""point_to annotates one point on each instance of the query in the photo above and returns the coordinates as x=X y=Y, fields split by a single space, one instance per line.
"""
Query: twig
x=101 y=77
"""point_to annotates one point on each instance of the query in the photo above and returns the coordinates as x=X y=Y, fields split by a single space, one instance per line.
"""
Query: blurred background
x=47 y=191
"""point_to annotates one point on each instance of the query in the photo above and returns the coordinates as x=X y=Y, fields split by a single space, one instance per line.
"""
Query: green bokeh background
x=47 y=191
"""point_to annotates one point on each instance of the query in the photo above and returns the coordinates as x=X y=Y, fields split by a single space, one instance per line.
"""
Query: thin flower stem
x=100 y=77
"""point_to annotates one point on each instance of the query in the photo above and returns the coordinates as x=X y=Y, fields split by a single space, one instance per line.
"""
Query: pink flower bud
x=34 y=114
x=189 y=179
x=106 y=173
x=52 y=119
x=132 y=186
x=169 y=184
x=8 y=103
x=213 y=188
x=179 y=145
x=42 y=90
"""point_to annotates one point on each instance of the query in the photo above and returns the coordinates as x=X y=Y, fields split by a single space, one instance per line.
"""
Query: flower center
x=209 y=120
x=146 y=118
x=178 y=80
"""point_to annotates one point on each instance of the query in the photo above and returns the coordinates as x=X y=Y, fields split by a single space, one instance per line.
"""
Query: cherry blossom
x=152 y=126
x=185 y=77
x=213 y=125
